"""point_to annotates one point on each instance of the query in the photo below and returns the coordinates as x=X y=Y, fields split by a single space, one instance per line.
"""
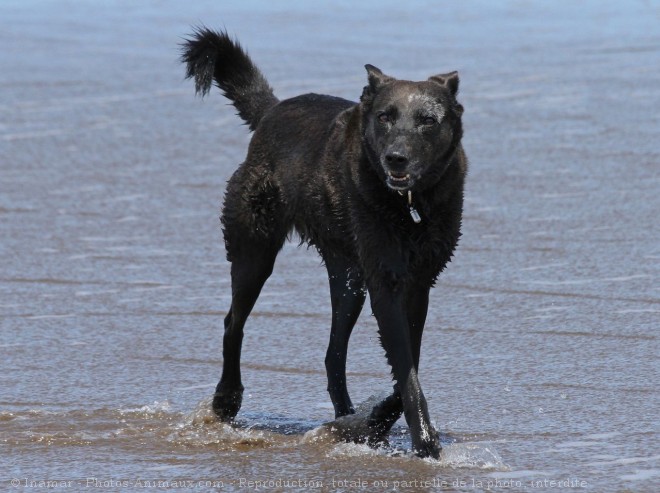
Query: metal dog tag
x=415 y=215
x=413 y=212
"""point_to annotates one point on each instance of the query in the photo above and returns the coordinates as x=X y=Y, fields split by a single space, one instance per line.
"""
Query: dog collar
x=413 y=212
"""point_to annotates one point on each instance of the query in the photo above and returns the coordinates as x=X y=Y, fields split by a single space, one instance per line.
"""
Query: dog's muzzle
x=396 y=165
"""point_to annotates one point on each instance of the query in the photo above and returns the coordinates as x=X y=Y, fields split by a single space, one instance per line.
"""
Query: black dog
x=376 y=187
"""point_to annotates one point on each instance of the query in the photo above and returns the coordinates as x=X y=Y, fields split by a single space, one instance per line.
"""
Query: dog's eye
x=384 y=118
x=429 y=120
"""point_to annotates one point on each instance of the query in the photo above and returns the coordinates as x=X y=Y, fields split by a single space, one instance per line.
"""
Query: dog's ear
x=376 y=79
x=450 y=81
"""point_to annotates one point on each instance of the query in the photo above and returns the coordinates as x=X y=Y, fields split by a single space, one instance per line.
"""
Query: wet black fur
x=338 y=173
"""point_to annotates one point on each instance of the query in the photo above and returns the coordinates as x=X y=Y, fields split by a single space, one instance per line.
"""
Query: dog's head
x=410 y=129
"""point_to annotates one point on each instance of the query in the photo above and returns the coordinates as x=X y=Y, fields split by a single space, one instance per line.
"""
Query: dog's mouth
x=398 y=180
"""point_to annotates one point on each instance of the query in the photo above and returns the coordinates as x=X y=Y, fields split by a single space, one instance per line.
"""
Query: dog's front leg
x=389 y=308
x=347 y=296
x=389 y=410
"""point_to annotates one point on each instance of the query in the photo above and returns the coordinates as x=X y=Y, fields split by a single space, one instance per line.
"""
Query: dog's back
x=293 y=133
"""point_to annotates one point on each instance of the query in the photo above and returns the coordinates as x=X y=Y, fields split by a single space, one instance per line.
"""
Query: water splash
x=473 y=456
x=157 y=408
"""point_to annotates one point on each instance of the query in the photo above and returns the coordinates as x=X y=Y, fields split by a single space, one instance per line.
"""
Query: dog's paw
x=226 y=403
x=351 y=428
x=429 y=447
x=366 y=424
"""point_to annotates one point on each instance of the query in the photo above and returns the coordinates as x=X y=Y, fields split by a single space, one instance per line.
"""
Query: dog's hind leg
x=248 y=276
x=255 y=230
x=347 y=294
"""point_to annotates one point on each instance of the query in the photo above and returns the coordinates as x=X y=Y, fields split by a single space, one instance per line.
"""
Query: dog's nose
x=396 y=158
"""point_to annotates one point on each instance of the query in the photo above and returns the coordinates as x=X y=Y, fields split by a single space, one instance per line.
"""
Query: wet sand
x=540 y=358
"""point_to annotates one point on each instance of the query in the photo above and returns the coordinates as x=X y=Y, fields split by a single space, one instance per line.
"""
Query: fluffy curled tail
x=212 y=56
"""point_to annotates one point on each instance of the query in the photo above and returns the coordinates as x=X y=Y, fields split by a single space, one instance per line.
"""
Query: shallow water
x=540 y=360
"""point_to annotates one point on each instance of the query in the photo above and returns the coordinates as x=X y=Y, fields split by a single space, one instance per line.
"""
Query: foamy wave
x=149 y=409
x=354 y=450
x=472 y=456
x=222 y=435
x=453 y=455
x=201 y=427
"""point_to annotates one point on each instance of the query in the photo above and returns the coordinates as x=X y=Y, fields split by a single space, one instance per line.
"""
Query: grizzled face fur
x=410 y=129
